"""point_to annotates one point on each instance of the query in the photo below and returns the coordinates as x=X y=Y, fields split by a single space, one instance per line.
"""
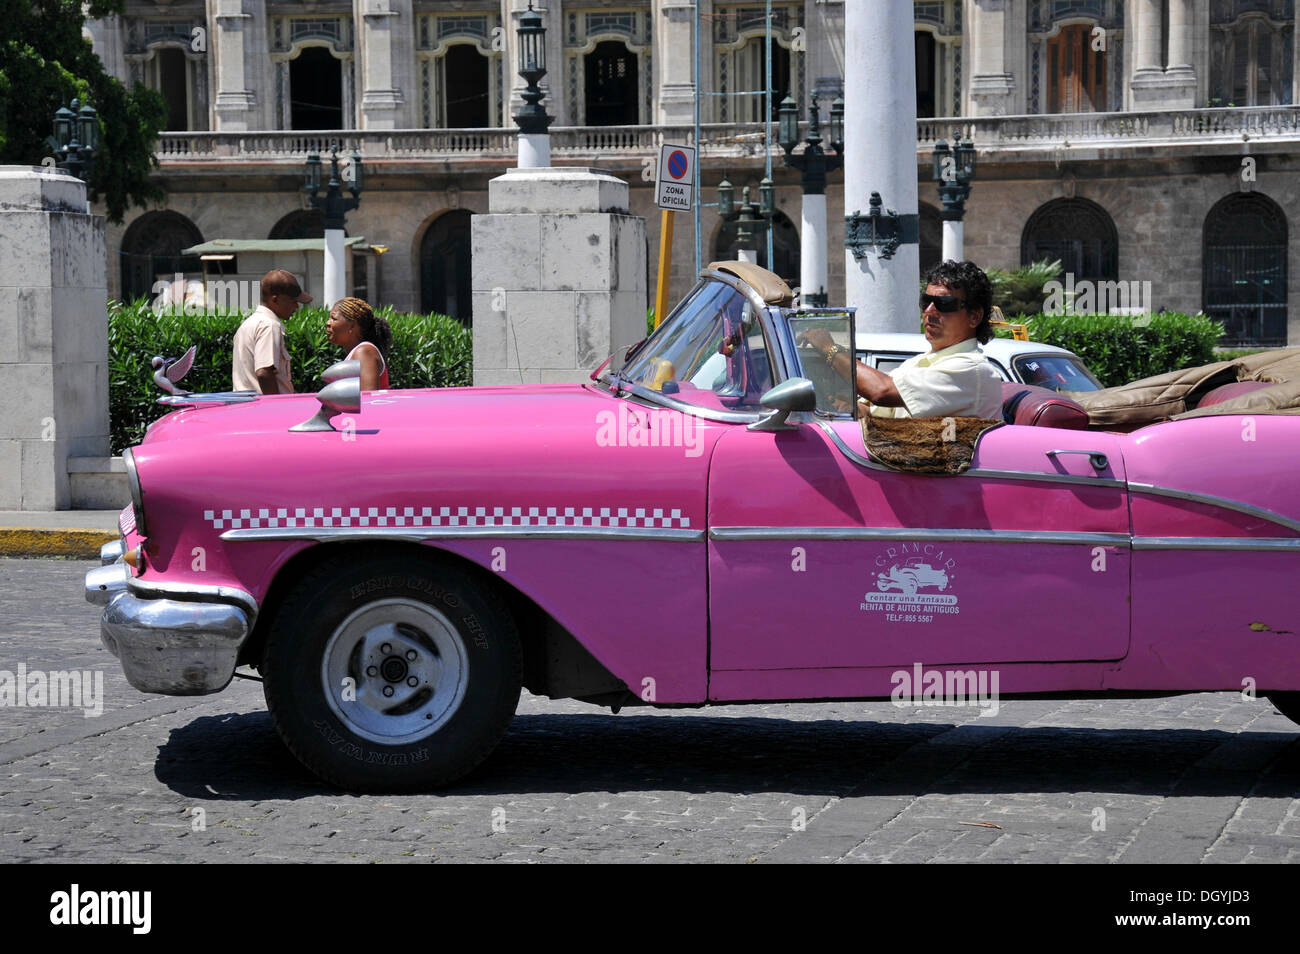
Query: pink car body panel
x=1047 y=569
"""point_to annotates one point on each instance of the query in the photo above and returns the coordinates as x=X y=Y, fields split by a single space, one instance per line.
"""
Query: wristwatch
x=831 y=352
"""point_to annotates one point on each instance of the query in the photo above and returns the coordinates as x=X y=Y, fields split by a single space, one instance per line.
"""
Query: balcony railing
x=991 y=134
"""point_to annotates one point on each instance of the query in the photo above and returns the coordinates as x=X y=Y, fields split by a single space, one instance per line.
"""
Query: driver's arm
x=876 y=386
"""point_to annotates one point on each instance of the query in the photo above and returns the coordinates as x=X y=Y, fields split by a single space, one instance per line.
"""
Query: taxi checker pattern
x=421 y=517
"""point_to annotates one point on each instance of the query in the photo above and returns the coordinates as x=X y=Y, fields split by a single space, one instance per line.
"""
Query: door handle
x=1098 y=460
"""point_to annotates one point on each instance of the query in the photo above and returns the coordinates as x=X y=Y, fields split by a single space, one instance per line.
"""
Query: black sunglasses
x=944 y=303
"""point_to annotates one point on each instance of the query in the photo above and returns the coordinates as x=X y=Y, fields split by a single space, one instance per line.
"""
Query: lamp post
x=534 y=140
x=814 y=164
x=76 y=139
x=334 y=205
x=954 y=169
x=750 y=218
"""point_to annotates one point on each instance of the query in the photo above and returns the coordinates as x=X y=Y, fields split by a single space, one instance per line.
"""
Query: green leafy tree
x=44 y=63
x=1020 y=291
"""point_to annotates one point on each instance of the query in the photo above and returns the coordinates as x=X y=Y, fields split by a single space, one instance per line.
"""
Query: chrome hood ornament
x=167 y=372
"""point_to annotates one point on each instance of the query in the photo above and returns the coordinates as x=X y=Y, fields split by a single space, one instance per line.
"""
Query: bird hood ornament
x=168 y=372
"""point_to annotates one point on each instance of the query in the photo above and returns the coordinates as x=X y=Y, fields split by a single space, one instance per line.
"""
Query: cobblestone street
x=1199 y=778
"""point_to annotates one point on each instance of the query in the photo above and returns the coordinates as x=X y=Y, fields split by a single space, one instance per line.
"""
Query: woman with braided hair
x=354 y=326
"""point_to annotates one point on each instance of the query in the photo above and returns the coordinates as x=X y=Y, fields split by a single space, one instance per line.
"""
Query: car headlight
x=137 y=493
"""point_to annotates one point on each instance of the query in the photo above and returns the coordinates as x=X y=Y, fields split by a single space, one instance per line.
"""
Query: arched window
x=1076 y=55
x=302 y=224
x=785 y=247
x=611 y=91
x=315 y=90
x=151 y=250
x=931 y=228
x=445 y=266
x=740 y=61
x=1251 y=53
x=1244 y=262
x=1080 y=233
x=1076 y=72
x=160 y=54
x=461 y=70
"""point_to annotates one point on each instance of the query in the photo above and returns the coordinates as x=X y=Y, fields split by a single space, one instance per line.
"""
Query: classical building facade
x=1136 y=140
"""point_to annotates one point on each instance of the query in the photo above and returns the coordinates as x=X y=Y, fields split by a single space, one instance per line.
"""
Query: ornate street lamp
x=814 y=165
x=534 y=140
x=334 y=206
x=751 y=218
x=76 y=139
x=954 y=170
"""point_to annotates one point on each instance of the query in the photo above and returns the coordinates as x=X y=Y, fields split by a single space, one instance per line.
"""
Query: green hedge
x=428 y=351
x=1123 y=348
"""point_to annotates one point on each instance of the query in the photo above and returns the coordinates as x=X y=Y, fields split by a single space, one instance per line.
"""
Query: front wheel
x=387 y=673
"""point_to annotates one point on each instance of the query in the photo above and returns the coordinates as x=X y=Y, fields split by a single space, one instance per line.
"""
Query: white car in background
x=1028 y=362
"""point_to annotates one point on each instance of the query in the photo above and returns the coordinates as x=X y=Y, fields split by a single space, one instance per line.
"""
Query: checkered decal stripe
x=441 y=517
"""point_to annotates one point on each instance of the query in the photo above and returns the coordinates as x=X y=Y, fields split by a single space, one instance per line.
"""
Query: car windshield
x=1060 y=372
x=711 y=352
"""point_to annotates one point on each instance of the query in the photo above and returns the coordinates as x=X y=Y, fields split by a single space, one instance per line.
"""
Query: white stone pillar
x=386 y=58
x=992 y=88
x=812 y=246
x=534 y=150
x=336 y=267
x=747 y=255
x=1147 y=52
x=1180 y=36
x=55 y=365
x=953 y=230
x=674 y=65
x=243 y=71
x=880 y=156
x=559 y=276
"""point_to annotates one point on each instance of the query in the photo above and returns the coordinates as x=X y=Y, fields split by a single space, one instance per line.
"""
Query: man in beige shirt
x=261 y=360
x=953 y=379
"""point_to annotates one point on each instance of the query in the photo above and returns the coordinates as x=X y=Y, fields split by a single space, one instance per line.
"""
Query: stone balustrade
x=738 y=140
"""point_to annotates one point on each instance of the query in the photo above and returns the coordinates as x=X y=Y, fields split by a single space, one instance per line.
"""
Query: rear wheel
x=1287 y=703
x=390 y=673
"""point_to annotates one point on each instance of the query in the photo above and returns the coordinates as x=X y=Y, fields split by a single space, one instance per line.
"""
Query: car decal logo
x=912 y=584
x=428 y=517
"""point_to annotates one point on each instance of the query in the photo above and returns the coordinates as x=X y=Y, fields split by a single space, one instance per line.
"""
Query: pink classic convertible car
x=699 y=524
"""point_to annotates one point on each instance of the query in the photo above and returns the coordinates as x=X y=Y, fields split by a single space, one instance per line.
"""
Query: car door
x=820 y=560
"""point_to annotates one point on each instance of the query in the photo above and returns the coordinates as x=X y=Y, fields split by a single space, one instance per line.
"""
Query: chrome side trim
x=905 y=533
x=1215 y=501
x=137 y=491
x=420 y=534
x=987 y=473
x=194 y=593
x=1217 y=543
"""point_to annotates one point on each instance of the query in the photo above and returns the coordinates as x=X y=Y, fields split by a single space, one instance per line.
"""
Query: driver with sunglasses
x=952 y=379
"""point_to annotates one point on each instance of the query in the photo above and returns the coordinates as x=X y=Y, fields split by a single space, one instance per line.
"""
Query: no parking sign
x=676 y=178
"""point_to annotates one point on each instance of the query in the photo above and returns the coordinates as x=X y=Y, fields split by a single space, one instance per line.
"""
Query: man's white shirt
x=957 y=381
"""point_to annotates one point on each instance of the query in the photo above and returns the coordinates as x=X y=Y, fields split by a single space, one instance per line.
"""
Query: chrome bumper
x=173 y=647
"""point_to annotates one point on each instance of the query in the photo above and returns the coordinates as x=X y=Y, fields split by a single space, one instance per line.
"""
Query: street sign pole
x=674 y=192
x=665 y=263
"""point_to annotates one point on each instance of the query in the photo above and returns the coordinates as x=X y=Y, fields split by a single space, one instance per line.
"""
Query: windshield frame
x=774 y=331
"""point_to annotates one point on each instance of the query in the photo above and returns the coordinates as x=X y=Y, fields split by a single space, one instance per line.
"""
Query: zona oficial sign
x=676 y=186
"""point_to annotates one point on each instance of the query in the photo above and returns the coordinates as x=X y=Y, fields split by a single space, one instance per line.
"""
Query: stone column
x=953 y=230
x=1146 y=23
x=559 y=276
x=52 y=293
x=386 y=60
x=992 y=88
x=880 y=156
x=1152 y=86
x=240 y=44
x=824 y=39
x=812 y=246
x=674 y=45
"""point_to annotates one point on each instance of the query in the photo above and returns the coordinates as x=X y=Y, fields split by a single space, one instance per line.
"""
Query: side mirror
x=797 y=394
x=340 y=397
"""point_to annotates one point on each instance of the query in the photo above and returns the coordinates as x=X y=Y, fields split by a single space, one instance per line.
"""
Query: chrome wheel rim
x=394 y=671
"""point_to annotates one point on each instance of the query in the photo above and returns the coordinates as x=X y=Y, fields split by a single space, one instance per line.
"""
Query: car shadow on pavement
x=239 y=756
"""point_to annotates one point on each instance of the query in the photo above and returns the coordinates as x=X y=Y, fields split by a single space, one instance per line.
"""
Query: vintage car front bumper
x=178 y=647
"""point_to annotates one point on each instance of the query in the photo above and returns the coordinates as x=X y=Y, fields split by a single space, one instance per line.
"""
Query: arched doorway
x=445 y=267
x=151 y=249
x=315 y=90
x=1244 y=269
x=302 y=224
x=611 y=85
x=785 y=247
x=931 y=228
x=1080 y=233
